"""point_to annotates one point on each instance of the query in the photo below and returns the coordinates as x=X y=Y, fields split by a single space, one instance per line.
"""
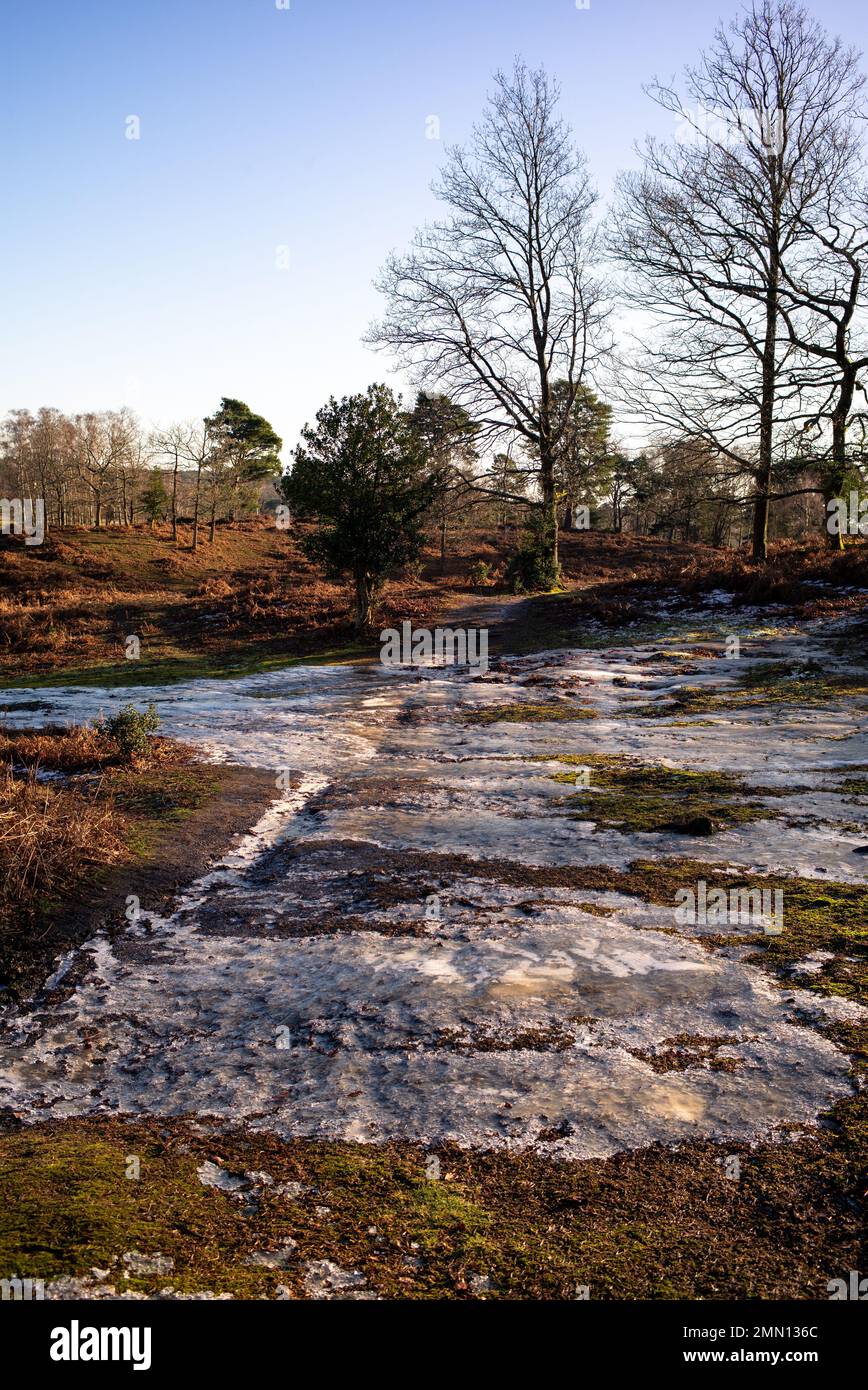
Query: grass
x=52 y=839
x=173 y=670
x=763 y=685
x=250 y=602
x=65 y=841
x=658 y=1224
x=629 y=795
x=527 y=714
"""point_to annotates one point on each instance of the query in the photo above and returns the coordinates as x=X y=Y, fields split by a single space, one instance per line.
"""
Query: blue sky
x=148 y=272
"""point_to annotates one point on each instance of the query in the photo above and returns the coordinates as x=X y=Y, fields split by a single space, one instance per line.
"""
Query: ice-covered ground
x=343 y=974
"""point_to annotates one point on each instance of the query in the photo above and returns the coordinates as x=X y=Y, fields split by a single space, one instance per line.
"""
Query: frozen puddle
x=342 y=975
x=508 y=1035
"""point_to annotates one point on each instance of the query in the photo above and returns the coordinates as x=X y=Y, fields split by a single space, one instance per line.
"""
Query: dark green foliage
x=533 y=569
x=129 y=730
x=154 y=498
x=248 y=441
x=362 y=473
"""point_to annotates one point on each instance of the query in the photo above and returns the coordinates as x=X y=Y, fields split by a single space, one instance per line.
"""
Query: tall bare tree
x=824 y=299
x=173 y=444
x=200 y=448
x=707 y=226
x=498 y=301
x=105 y=444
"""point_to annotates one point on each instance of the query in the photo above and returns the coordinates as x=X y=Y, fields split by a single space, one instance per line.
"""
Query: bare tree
x=497 y=302
x=823 y=302
x=173 y=443
x=103 y=443
x=199 y=449
x=445 y=433
x=710 y=222
x=53 y=452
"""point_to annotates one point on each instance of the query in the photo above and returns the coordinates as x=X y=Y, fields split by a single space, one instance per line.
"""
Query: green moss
x=817 y=916
x=630 y=795
x=661 y=1223
x=68 y=1206
x=808 y=685
x=852 y=781
x=527 y=714
x=171 y=670
x=165 y=792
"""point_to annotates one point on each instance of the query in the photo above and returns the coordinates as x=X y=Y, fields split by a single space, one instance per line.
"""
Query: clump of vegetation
x=79 y=748
x=84 y=748
x=629 y=795
x=527 y=714
x=479 y=575
x=50 y=839
x=130 y=730
x=533 y=569
x=775 y=683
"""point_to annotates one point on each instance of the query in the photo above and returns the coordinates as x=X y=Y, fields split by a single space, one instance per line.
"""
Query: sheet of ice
x=510 y=1035
x=283 y=993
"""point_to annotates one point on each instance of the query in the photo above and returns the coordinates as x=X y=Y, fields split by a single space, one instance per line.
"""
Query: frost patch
x=135 y=1263
x=210 y=1175
x=323 y=1279
x=281 y=1258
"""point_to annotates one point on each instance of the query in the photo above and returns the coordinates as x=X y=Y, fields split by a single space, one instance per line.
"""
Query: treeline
x=102 y=468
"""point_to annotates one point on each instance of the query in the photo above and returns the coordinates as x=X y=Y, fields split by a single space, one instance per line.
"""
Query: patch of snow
x=324 y=1279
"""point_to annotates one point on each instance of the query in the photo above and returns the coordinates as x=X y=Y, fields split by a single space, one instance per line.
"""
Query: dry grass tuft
x=51 y=838
x=80 y=748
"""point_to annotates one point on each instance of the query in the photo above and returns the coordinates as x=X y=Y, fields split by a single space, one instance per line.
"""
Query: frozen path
x=358 y=970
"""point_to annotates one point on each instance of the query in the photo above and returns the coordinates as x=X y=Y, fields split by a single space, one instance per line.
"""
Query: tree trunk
x=763 y=474
x=549 y=508
x=196 y=510
x=835 y=480
x=364 y=602
x=443 y=545
x=175 y=500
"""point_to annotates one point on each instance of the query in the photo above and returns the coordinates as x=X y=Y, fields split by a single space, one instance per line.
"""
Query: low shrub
x=130 y=731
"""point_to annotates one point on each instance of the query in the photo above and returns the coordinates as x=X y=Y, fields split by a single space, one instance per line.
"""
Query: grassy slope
x=249 y=602
x=252 y=601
